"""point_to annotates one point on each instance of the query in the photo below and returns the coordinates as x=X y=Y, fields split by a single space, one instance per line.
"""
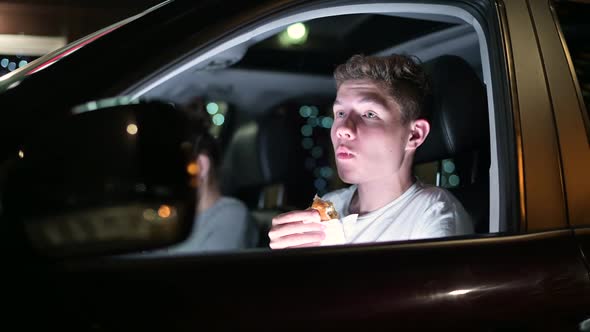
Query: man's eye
x=370 y=115
x=340 y=114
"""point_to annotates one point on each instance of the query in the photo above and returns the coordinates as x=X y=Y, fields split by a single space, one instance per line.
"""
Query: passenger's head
x=379 y=118
x=207 y=147
x=400 y=76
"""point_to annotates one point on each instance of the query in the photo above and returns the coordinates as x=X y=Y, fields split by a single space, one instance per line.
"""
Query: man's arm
x=443 y=219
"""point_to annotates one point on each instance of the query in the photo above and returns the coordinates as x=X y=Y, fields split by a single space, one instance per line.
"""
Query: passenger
x=221 y=223
x=379 y=121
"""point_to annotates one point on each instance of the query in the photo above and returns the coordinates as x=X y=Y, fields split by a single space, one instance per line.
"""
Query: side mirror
x=106 y=180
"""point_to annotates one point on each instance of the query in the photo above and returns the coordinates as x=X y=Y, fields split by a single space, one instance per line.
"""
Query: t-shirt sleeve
x=443 y=218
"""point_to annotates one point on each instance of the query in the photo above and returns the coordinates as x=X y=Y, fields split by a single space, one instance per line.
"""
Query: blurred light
x=320 y=184
x=317 y=152
x=448 y=166
x=306 y=130
x=327 y=122
x=13 y=85
x=295 y=34
x=22 y=63
x=305 y=111
x=4 y=63
x=92 y=105
x=218 y=119
x=164 y=211
x=149 y=214
x=314 y=122
x=212 y=108
x=11 y=66
x=314 y=111
x=132 y=129
x=21 y=154
x=326 y=172
x=454 y=180
x=460 y=292
x=297 y=31
x=192 y=168
x=307 y=143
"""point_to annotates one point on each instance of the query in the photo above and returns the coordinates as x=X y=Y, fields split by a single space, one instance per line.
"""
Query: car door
x=564 y=46
x=531 y=276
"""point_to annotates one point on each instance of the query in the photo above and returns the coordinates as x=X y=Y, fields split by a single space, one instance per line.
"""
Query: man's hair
x=401 y=76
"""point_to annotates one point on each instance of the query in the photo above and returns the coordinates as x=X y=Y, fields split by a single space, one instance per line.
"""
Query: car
x=510 y=140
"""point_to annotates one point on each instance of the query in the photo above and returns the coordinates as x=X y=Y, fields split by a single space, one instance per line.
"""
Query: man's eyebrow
x=373 y=99
x=367 y=99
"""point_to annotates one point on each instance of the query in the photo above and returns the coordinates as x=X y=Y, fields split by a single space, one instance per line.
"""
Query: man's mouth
x=344 y=153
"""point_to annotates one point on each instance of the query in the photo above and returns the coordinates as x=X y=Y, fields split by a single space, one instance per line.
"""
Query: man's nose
x=346 y=129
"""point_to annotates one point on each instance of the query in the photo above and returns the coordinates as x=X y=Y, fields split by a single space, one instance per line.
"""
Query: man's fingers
x=295 y=240
x=305 y=216
x=312 y=244
x=281 y=230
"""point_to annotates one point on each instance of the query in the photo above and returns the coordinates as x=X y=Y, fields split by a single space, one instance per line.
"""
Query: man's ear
x=419 y=130
x=204 y=164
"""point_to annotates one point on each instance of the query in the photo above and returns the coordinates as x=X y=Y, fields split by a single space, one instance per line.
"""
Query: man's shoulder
x=434 y=194
x=229 y=206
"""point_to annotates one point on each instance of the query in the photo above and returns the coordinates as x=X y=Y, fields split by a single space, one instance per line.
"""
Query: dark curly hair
x=400 y=75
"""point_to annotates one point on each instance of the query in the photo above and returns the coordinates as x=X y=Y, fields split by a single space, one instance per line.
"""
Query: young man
x=379 y=122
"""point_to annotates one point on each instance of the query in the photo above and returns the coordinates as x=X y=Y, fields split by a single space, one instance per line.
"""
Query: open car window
x=275 y=82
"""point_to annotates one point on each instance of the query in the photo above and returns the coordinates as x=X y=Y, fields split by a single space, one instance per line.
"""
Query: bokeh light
x=306 y=130
x=297 y=31
x=132 y=129
x=307 y=143
x=218 y=119
x=305 y=111
x=212 y=108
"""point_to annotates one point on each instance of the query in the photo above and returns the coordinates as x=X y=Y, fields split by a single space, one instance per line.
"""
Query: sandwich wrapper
x=334 y=233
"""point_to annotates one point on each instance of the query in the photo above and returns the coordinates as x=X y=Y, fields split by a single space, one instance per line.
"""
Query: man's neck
x=374 y=195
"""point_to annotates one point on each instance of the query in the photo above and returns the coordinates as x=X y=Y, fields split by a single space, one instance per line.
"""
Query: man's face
x=369 y=139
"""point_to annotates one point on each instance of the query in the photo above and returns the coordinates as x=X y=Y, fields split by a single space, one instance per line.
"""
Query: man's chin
x=348 y=177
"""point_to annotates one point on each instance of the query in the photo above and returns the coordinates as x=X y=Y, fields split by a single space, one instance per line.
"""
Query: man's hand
x=296 y=229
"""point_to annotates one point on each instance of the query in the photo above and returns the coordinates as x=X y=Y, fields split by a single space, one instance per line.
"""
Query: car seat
x=258 y=163
x=459 y=130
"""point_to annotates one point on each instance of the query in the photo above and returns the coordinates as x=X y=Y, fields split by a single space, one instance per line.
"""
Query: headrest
x=256 y=154
x=458 y=110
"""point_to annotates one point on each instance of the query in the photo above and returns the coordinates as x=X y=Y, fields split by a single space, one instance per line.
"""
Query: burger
x=325 y=208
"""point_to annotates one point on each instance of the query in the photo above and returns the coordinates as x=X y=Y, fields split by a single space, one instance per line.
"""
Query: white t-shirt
x=422 y=211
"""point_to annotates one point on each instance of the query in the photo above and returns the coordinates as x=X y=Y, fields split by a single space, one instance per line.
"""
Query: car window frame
x=502 y=204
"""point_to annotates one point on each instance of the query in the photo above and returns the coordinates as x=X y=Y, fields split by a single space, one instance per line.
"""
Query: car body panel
x=568 y=111
x=542 y=185
x=488 y=282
